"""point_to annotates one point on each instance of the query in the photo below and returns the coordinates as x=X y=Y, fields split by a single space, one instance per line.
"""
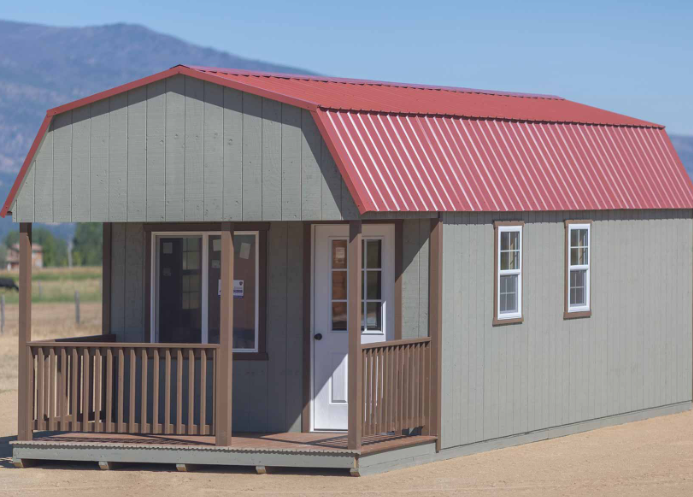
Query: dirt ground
x=652 y=457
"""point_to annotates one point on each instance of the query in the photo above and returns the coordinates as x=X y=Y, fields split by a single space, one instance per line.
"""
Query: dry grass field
x=647 y=458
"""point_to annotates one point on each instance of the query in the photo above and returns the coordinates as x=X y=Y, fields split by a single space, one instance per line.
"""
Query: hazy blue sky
x=633 y=57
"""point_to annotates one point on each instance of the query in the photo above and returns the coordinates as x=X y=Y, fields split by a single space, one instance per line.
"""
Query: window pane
x=508 y=294
x=244 y=302
x=578 y=256
x=339 y=254
x=510 y=240
x=179 y=295
x=510 y=260
x=373 y=254
x=339 y=285
x=373 y=285
x=583 y=237
x=373 y=316
x=578 y=287
x=339 y=316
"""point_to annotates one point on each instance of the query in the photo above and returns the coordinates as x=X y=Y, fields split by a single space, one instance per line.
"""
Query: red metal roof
x=378 y=96
x=432 y=163
x=403 y=147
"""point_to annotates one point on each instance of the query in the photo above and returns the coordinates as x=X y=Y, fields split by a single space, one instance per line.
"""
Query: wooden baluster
x=167 y=393
x=214 y=393
x=367 y=392
x=155 y=400
x=74 y=391
x=52 y=412
x=405 y=387
x=203 y=392
x=143 y=394
x=191 y=392
x=387 y=388
x=98 y=379
x=86 y=377
x=62 y=390
x=381 y=391
x=121 y=388
x=109 y=390
x=179 y=392
x=40 y=387
x=133 y=391
x=415 y=386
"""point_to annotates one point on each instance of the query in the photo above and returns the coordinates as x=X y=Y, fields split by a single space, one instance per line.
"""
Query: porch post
x=435 y=325
x=354 y=310
x=224 y=395
x=25 y=404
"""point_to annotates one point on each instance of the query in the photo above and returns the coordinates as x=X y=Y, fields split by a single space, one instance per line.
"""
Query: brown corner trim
x=307 y=259
x=494 y=319
x=399 y=258
x=566 y=276
x=435 y=326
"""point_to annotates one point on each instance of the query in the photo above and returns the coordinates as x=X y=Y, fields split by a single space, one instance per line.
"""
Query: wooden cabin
x=331 y=273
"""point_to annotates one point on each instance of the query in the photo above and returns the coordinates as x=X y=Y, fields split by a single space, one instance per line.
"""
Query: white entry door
x=330 y=310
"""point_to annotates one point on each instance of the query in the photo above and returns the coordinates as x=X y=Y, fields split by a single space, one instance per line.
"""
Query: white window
x=186 y=284
x=578 y=272
x=509 y=272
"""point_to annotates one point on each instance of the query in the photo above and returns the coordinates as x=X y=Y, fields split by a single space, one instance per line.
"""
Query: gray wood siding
x=267 y=394
x=633 y=353
x=183 y=150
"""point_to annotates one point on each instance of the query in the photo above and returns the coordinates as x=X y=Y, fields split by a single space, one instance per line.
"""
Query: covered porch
x=98 y=397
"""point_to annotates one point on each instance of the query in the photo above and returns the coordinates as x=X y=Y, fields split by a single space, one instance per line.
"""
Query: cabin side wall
x=267 y=395
x=633 y=353
x=181 y=149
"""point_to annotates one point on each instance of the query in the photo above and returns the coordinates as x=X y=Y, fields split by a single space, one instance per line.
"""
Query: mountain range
x=44 y=66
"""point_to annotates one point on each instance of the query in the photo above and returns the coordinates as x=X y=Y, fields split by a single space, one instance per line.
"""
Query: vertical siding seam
x=281 y=163
x=165 y=132
x=52 y=129
x=202 y=146
x=262 y=162
x=72 y=140
x=146 y=155
x=127 y=150
x=223 y=153
x=185 y=145
x=89 y=161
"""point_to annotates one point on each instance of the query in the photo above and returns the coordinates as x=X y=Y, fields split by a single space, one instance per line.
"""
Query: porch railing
x=396 y=385
x=130 y=388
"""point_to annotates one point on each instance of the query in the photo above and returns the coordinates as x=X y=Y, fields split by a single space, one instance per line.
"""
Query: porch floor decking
x=285 y=442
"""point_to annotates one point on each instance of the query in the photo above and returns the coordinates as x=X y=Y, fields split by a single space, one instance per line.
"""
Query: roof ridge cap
x=368 y=82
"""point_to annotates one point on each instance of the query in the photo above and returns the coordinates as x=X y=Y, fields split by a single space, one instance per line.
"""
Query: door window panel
x=180 y=291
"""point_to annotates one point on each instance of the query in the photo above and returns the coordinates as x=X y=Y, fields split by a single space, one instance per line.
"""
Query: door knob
x=318 y=336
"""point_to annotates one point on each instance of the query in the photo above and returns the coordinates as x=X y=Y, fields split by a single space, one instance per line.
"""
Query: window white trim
x=579 y=267
x=154 y=278
x=501 y=316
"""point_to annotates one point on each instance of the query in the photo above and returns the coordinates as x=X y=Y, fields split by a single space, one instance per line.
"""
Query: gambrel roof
x=404 y=147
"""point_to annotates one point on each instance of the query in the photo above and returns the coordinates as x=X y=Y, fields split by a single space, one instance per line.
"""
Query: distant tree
x=87 y=245
x=54 y=249
x=11 y=238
